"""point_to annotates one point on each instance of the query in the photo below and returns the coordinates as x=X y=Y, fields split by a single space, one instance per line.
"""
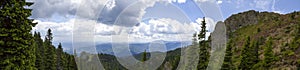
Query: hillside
x=280 y=32
x=256 y=40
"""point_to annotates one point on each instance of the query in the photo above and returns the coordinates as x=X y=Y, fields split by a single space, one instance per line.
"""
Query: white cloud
x=168 y=29
x=155 y=29
x=129 y=11
x=219 y=2
x=111 y=4
x=181 y=1
x=129 y=14
x=263 y=4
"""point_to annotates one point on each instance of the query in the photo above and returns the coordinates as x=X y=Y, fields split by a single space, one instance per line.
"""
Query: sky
x=139 y=21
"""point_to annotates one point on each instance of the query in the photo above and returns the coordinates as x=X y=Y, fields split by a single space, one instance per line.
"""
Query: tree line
x=49 y=57
x=22 y=50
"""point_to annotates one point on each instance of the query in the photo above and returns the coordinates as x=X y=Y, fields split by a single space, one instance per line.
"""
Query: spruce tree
x=268 y=53
x=203 y=54
x=60 y=58
x=72 y=63
x=16 y=42
x=227 y=64
x=40 y=59
x=144 y=56
x=50 y=52
x=248 y=56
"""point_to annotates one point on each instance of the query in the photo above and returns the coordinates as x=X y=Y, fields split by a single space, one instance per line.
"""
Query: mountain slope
x=282 y=30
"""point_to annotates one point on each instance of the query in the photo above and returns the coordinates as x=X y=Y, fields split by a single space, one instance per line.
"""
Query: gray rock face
x=241 y=19
x=219 y=37
x=218 y=45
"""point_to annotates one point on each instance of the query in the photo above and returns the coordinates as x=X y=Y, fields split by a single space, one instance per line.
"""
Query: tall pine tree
x=16 y=42
x=204 y=53
x=227 y=64
x=60 y=58
x=71 y=62
x=50 y=52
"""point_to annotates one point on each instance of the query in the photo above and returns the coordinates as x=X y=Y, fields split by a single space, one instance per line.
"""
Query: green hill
x=279 y=32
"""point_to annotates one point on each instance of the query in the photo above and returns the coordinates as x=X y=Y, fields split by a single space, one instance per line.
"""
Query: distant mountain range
x=135 y=48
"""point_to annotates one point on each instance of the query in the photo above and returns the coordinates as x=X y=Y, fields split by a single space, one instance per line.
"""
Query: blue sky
x=144 y=20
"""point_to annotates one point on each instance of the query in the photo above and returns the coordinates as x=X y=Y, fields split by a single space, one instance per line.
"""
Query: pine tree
x=50 y=52
x=203 y=54
x=268 y=53
x=60 y=58
x=248 y=56
x=227 y=64
x=201 y=35
x=144 y=56
x=40 y=59
x=16 y=42
x=72 y=63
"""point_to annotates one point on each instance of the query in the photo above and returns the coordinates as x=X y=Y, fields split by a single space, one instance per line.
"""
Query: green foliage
x=17 y=46
x=40 y=59
x=268 y=53
x=285 y=44
x=248 y=56
x=227 y=64
x=19 y=49
x=144 y=56
x=204 y=47
x=50 y=52
x=296 y=41
x=61 y=58
x=201 y=35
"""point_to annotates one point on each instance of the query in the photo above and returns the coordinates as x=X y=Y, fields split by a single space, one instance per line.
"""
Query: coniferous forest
x=256 y=41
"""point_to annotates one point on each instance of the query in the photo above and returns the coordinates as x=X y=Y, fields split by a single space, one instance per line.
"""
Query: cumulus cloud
x=47 y=8
x=168 y=29
x=63 y=31
x=162 y=28
x=129 y=11
x=131 y=15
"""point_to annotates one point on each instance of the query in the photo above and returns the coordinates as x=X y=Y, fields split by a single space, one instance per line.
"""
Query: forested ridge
x=263 y=41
